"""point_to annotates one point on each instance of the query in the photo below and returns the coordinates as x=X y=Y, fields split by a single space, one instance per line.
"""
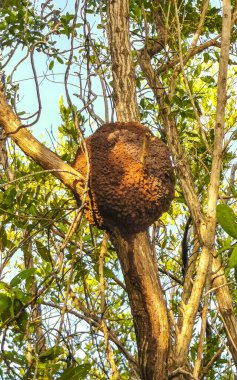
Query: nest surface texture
x=131 y=177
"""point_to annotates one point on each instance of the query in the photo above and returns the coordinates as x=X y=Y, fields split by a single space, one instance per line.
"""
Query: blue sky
x=51 y=85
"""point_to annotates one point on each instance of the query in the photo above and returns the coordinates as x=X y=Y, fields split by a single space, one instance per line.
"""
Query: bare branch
x=198 y=361
x=199 y=29
x=181 y=371
x=195 y=51
x=178 y=153
x=182 y=64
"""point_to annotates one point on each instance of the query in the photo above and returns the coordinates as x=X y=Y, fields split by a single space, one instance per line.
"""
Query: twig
x=91 y=318
x=182 y=65
x=64 y=307
x=180 y=371
x=232 y=179
x=218 y=287
x=199 y=29
x=198 y=361
x=23 y=178
x=109 y=352
x=211 y=362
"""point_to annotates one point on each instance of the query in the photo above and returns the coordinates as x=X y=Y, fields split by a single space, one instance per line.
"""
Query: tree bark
x=135 y=253
x=226 y=309
x=124 y=83
x=147 y=303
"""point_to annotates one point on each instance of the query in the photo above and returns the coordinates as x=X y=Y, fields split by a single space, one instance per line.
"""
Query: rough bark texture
x=131 y=177
x=124 y=83
x=147 y=303
x=135 y=253
x=225 y=306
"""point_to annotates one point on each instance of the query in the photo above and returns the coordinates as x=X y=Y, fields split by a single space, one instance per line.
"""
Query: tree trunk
x=124 y=84
x=135 y=254
x=147 y=303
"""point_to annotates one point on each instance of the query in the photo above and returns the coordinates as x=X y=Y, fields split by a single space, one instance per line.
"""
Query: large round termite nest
x=131 y=177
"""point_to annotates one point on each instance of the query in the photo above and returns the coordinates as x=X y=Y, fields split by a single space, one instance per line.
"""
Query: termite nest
x=131 y=180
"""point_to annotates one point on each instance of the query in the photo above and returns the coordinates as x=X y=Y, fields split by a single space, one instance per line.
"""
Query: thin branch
x=109 y=352
x=198 y=361
x=199 y=29
x=232 y=179
x=197 y=50
x=25 y=177
x=209 y=365
x=182 y=65
x=208 y=232
x=220 y=115
x=37 y=151
x=167 y=273
x=225 y=303
x=67 y=293
x=180 y=371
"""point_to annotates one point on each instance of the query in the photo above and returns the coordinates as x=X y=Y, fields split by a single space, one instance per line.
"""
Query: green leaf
x=43 y=251
x=208 y=79
x=60 y=60
x=10 y=195
x=233 y=258
x=79 y=372
x=17 y=306
x=5 y=302
x=206 y=57
x=51 y=65
x=22 y=321
x=51 y=354
x=26 y=273
x=227 y=219
x=14 y=357
x=108 y=273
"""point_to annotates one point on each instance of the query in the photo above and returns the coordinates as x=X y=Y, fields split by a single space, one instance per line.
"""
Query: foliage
x=51 y=313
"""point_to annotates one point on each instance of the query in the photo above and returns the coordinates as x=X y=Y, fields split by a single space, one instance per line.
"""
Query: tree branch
x=37 y=151
x=178 y=153
x=94 y=320
x=208 y=233
x=225 y=306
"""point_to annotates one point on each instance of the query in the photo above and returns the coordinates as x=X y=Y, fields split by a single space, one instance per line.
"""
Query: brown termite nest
x=131 y=179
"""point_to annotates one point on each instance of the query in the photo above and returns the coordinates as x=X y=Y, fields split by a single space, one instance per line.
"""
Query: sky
x=51 y=86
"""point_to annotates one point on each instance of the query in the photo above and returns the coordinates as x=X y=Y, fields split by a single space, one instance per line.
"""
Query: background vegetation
x=64 y=308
